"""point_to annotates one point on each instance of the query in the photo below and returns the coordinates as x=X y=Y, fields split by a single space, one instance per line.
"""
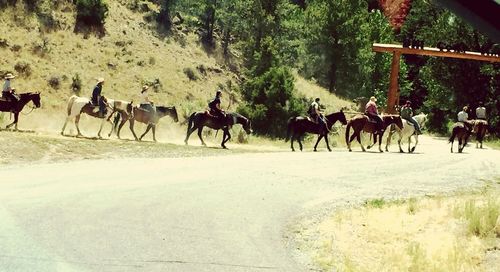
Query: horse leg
x=100 y=128
x=317 y=142
x=350 y=140
x=189 y=132
x=13 y=123
x=64 y=126
x=460 y=147
x=292 y=138
x=154 y=132
x=380 y=143
x=199 y=136
x=299 y=139
x=77 y=125
x=120 y=128
x=358 y=137
x=388 y=141
x=131 y=125
x=225 y=138
x=146 y=132
x=327 y=143
x=416 y=142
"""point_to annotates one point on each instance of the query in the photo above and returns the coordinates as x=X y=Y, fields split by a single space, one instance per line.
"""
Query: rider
x=463 y=117
x=371 y=112
x=145 y=102
x=481 y=112
x=407 y=114
x=97 y=99
x=7 y=91
x=214 y=106
x=316 y=114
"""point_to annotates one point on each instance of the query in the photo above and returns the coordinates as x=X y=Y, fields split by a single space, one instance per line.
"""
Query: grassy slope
x=163 y=58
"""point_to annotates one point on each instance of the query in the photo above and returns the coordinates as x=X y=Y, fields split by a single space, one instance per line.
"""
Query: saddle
x=370 y=120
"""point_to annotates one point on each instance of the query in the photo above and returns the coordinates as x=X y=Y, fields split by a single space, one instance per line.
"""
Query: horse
x=78 y=105
x=143 y=116
x=407 y=132
x=298 y=126
x=480 y=128
x=198 y=120
x=462 y=133
x=361 y=123
x=17 y=107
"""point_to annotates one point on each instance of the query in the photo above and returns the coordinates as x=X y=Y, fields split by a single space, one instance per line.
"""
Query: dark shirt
x=406 y=112
x=96 y=94
x=213 y=105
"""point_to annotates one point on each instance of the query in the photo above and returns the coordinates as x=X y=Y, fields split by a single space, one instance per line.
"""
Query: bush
x=270 y=100
x=190 y=73
x=91 y=12
x=5 y=3
x=54 y=82
x=76 y=85
x=23 y=68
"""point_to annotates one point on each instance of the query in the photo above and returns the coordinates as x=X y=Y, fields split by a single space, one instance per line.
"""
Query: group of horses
x=297 y=127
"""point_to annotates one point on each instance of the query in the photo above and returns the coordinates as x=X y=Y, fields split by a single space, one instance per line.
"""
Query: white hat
x=100 y=80
x=373 y=98
x=9 y=76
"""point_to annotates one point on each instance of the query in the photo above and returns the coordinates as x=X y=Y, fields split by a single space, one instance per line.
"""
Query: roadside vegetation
x=459 y=232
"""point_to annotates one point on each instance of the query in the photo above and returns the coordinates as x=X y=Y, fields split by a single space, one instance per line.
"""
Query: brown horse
x=361 y=123
x=17 y=107
x=480 y=129
x=298 y=126
x=461 y=131
x=145 y=117
x=198 y=120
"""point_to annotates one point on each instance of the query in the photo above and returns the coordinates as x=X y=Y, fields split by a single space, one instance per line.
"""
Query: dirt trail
x=224 y=213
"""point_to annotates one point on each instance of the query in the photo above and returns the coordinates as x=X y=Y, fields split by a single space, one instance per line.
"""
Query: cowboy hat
x=100 y=80
x=9 y=76
x=373 y=98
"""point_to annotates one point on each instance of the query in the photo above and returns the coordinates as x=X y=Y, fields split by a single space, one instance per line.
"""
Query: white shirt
x=462 y=116
x=315 y=107
x=481 y=112
x=144 y=99
x=6 y=86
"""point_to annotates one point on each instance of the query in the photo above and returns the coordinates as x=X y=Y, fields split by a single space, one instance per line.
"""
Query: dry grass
x=452 y=233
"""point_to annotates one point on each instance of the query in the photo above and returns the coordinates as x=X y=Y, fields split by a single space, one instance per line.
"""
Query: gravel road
x=224 y=213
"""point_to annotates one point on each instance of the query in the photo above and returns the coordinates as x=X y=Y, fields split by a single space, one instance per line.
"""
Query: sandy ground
x=224 y=213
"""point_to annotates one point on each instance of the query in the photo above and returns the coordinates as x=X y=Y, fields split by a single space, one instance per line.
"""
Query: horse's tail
x=191 y=121
x=289 y=128
x=347 y=132
x=70 y=103
x=453 y=135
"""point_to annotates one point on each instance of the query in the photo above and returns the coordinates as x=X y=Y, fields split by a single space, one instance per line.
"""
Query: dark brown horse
x=361 y=123
x=145 y=117
x=198 y=120
x=17 y=107
x=298 y=126
x=480 y=129
x=461 y=131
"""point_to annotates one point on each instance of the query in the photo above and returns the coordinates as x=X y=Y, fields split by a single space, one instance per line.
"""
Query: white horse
x=407 y=132
x=78 y=105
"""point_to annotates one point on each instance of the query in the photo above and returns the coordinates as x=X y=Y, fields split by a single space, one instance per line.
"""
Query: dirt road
x=224 y=213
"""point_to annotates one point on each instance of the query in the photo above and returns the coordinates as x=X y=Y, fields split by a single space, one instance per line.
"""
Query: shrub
x=91 y=12
x=190 y=73
x=270 y=100
x=5 y=3
x=41 y=48
x=54 y=82
x=16 y=48
x=76 y=85
x=23 y=68
x=31 y=5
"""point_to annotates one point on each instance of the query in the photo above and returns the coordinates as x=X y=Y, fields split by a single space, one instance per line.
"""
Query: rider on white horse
x=97 y=99
x=407 y=114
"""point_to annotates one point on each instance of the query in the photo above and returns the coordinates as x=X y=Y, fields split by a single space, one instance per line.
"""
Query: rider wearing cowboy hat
x=145 y=103
x=372 y=113
x=407 y=114
x=7 y=91
x=97 y=98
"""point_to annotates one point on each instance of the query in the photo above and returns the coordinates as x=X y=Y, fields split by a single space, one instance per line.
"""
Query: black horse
x=143 y=116
x=17 y=107
x=198 y=120
x=298 y=126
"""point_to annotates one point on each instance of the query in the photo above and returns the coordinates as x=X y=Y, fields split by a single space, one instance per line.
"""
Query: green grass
x=376 y=203
x=482 y=218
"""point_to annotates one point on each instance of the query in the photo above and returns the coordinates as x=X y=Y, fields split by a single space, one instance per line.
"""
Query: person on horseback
x=316 y=114
x=97 y=99
x=463 y=117
x=481 y=112
x=372 y=113
x=214 y=106
x=407 y=114
x=145 y=102
x=8 y=92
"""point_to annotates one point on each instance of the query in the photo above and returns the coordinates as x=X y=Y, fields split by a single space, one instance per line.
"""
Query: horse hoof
x=315 y=150
x=329 y=150
x=350 y=150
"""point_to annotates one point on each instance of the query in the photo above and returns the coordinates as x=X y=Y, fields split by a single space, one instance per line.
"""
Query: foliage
x=76 y=84
x=91 y=12
x=166 y=10
x=271 y=100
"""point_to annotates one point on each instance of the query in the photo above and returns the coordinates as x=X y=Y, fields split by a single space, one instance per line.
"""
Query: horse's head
x=421 y=119
x=342 y=118
x=36 y=98
x=174 y=114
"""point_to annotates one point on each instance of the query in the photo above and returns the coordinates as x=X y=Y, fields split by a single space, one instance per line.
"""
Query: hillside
x=130 y=54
